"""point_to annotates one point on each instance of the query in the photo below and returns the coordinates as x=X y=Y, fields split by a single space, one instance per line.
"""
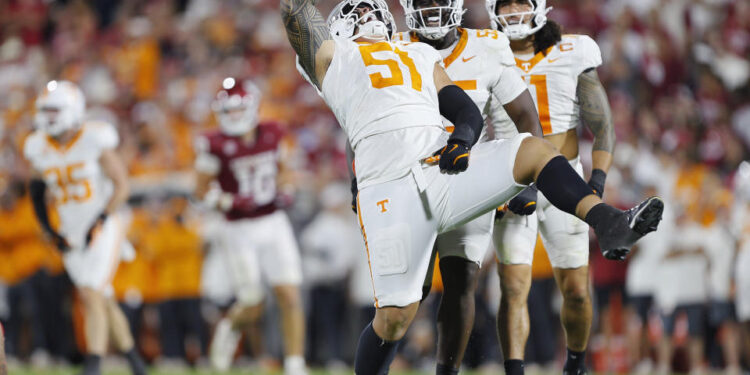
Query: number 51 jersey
x=384 y=97
x=72 y=173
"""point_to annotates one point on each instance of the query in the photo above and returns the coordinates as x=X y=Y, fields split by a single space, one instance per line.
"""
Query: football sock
x=514 y=367
x=603 y=213
x=445 y=370
x=562 y=185
x=137 y=367
x=92 y=365
x=575 y=364
x=374 y=355
x=294 y=363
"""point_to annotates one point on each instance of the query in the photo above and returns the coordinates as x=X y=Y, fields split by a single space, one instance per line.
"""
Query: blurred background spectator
x=676 y=72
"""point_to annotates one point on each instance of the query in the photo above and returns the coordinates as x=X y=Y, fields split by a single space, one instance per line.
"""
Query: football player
x=561 y=72
x=481 y=63
x=389 y=96
x=243 y=157
x=77 y=161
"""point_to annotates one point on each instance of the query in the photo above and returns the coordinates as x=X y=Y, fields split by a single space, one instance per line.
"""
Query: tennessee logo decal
x=381 y=204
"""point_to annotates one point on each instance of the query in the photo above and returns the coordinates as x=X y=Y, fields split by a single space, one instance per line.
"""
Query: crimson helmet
x=236 y=106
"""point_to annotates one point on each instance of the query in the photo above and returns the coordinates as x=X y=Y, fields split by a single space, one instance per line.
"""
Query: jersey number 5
x=397 y=76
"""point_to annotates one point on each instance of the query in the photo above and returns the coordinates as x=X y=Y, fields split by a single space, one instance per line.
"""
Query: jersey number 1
x=539 y=81
x=397 y=76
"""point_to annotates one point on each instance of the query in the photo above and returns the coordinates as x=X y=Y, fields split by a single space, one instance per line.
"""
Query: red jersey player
x=238 y=167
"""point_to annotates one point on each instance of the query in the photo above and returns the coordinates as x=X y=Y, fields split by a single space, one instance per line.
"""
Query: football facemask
x=352 y=19
x=433 y=22
x=518 y=25
x=236 y=107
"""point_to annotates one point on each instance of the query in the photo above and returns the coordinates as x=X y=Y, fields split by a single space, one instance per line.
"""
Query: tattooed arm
x=597 y=116
x=308 y=33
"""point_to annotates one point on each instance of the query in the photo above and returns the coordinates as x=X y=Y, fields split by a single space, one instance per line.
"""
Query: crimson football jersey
x=244 y=169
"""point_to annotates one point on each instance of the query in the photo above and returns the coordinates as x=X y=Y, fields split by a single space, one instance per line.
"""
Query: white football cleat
x=224 y=345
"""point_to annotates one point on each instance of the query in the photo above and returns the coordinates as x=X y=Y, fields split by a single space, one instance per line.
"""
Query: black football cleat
x=616 y=238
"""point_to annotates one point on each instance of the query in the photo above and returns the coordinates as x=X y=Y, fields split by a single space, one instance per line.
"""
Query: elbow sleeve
x=36 y=191
x=459 y=109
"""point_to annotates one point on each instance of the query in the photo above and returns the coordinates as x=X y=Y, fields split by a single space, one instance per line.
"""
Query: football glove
x=525 y=202
x=596 y=182
x=354 y=191
x=454 y=157
x=95 y=227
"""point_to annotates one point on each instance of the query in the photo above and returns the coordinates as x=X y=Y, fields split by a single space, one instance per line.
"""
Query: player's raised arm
x=308 y=33
x=597 y=116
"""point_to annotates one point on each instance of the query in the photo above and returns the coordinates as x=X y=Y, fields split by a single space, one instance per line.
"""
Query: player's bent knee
x=391 y=323
x=533 y=154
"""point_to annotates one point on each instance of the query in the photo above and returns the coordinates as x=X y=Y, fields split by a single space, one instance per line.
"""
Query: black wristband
x=598 y=177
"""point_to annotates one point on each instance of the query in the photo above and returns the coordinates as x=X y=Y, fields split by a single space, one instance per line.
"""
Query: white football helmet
x=525 y=24
x=447 y=16
x=346 y=22
x=59 y=108
x=236 y=106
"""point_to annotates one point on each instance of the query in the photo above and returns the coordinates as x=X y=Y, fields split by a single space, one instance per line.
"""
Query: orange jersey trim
x=367 y=248
x=464 y=38
x=64 y=148
x=533 y=61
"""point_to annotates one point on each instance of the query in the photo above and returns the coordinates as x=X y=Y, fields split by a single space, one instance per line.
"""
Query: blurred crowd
x=676 y=72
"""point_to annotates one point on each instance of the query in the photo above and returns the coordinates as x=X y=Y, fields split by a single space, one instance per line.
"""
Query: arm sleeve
x=37 y=189
x=459 y=109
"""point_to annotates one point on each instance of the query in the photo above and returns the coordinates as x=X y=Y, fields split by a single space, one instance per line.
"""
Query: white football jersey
x=481 y=62
x=552 y=78
x=384 y=97
x=73 y=174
